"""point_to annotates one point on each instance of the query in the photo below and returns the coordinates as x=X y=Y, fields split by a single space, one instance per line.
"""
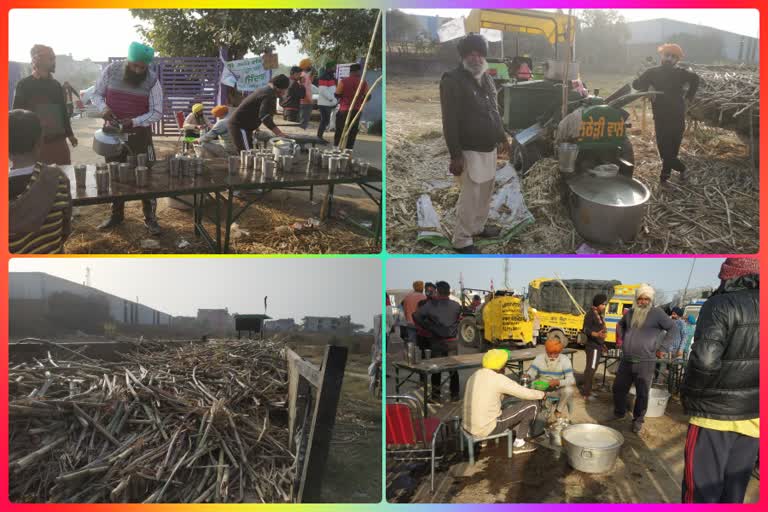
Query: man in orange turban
x=216 y=142
x=678 y=86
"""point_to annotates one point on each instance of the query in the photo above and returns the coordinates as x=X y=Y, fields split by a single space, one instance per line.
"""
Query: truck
x=550 y=308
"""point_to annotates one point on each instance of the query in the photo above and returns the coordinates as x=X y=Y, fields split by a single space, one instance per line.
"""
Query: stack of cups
x=267 y=168
x=124 y=173
x=174 y=167
x=234 y=164
x=102 y=179
x=141 y=160
x=113 y=167
x=80 y=171
x=132 y=161
x=142 y=176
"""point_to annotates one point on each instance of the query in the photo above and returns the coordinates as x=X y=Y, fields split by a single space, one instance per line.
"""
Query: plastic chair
x=410 y=435
x=471 y=440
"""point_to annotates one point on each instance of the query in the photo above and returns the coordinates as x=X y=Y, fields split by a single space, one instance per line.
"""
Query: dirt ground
x=715 y=210
x=649 y=468
x=254 y=233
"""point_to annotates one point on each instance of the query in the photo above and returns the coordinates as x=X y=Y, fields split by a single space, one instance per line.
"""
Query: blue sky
x=296 y=287
x=667 y=274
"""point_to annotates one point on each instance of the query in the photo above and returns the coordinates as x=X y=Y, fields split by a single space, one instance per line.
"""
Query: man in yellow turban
x=486 y=412
x=679 y=86
x=195 y=121
x=305 y=104
x=216 y=142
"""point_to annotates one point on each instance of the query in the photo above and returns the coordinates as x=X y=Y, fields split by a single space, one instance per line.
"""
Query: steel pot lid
x=591 y=436
x=618 y=191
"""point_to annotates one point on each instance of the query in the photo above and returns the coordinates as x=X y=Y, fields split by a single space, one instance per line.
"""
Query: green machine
x=533 y=110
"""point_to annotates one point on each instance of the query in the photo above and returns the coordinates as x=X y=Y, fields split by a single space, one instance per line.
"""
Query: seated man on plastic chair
x=484 y=414
x=556 y=369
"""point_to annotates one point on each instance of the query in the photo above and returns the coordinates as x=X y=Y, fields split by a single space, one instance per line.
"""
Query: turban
x=220 y=111
x=197 y=108
x=645 y=290
x=138 y=52
x=553 y=344
x=738 y=267
x=418 y=286
x=691 y=319
x=330 y=64
x=305 y=63
x=600 y=298
x=495 y=359
x=678 y=311
x=473 y=43
x=672 y=48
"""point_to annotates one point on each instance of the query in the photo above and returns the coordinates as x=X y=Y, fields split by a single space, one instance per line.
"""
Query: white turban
x=645 y=290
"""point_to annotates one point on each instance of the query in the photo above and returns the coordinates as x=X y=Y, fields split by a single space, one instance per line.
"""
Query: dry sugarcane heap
x=201 y=423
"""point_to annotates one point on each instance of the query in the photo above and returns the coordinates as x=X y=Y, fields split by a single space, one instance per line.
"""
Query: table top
x=213 y=179
x=467 y=361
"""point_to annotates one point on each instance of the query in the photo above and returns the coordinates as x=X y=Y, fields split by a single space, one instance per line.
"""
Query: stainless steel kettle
x=109 y=141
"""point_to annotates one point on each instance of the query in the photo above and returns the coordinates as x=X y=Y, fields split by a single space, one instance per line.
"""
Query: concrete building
x=218 y=320
x=327 y=323
x=38 y=288
x=281 y=325
x=646 y=35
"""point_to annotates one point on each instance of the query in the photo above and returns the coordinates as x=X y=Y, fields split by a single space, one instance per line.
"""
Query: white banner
x=245 y=75
x=491 y=35
x=450 y=30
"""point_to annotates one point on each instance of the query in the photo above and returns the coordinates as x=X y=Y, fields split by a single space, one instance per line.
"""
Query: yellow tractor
x=551 y=307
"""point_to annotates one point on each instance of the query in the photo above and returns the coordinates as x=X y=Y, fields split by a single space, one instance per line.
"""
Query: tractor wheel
x=468 y=332
x=523 y=157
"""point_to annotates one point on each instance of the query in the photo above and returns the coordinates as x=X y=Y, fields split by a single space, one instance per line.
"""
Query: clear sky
x=97 y=34
x=740 y=21
x=179 y=286
x=667 y=274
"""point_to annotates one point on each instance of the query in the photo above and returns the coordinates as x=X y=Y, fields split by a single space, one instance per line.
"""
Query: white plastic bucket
x=657 y=401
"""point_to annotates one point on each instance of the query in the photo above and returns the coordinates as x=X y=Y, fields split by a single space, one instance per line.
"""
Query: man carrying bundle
x=669 y=108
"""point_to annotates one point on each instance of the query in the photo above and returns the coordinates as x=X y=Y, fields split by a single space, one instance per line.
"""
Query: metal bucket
x=657 y=402
x=567 y=153
x=606 y=210
x=592 y=448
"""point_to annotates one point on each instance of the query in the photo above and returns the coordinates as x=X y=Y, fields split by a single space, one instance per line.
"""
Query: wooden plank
x=323 y=419
x=306 y=369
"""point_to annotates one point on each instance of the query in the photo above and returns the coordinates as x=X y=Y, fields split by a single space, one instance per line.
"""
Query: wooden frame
x=313 y=397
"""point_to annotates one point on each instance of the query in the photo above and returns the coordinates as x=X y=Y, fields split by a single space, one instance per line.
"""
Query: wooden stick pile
x=728 y=97
x=201 y=423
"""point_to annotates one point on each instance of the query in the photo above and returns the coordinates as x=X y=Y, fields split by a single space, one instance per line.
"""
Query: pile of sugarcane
x=202 y=423
x=728 y=97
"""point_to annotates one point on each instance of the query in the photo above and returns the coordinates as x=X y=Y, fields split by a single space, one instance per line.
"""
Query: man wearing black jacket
x=473 y=131
x=596 y=331
x=440 y=316
x=669 y=108
x=721 y=389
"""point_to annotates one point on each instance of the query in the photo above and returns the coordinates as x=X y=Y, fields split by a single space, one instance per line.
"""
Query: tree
x=200 y=32
x=342 y=35
x=334 y=33
x=602 y=41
